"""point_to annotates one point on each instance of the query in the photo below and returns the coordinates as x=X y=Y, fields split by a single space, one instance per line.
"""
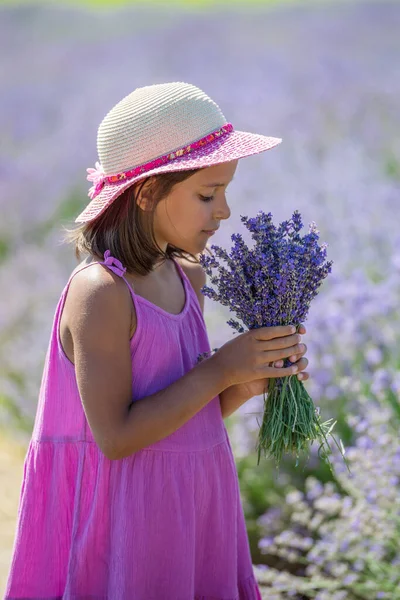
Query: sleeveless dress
x=165 y=523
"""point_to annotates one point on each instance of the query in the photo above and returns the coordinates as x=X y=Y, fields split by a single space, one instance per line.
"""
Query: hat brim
x=233 y=146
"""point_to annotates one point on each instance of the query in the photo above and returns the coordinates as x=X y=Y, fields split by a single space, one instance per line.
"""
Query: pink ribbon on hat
x=96 y=175
x=99 y=178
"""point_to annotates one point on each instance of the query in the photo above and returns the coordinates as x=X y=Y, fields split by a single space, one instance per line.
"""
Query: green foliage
x=392 y=166
x=15 y=416
x=4 y=249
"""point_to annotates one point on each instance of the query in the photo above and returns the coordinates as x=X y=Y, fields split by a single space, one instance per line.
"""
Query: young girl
x=130 y=490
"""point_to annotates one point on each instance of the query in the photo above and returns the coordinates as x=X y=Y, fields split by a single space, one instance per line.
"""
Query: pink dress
x=165 y=523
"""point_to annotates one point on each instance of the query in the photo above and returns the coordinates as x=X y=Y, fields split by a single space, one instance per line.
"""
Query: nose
x=224 y=212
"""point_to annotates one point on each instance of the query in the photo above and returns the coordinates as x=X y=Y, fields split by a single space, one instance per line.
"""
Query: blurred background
x=325 y=77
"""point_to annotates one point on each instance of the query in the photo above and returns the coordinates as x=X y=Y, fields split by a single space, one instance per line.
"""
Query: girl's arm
x=232 y=398
x=99 y=323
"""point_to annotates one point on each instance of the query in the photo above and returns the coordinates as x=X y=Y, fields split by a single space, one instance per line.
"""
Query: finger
x=269 y=333
x=296 y=357
x=302 y=364
x=282 y=347
x=269 y=356
x=302 y=329
x=278 y=372
x=303 y=376
x=277 y=363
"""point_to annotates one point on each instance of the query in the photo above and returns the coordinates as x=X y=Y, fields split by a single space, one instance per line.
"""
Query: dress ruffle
x=80 y=509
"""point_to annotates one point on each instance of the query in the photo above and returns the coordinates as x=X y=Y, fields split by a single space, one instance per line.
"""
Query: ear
x=143 y=199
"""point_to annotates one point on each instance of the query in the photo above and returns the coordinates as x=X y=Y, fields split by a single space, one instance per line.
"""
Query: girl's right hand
x=248 y=356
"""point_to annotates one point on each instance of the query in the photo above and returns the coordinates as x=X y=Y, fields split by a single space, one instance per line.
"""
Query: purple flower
x=273 y=284
x=349 y=579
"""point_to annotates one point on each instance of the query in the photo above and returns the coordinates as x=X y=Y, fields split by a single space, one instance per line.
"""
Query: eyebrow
x=216 y=184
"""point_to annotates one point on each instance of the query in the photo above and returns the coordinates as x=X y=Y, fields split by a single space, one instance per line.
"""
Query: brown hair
x=127 y=231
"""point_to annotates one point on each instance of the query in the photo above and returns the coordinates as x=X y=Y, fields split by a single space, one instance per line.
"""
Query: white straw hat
x=162 y=128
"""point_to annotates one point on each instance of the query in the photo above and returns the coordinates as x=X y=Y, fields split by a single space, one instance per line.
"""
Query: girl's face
x=193 y=206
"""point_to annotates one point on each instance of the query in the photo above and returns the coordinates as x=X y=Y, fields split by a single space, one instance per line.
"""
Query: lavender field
x=326 y=79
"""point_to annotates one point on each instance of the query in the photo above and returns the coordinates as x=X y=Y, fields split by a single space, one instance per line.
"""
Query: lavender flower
x=273 y=284
x=346 y=533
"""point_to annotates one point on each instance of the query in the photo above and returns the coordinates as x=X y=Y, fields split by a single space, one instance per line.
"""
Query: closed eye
x=206 y=198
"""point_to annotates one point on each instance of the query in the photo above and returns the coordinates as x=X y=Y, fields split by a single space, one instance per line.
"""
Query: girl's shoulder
x=95 y=279
x=91 y=287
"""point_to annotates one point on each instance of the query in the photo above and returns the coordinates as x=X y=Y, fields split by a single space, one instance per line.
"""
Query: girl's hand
x=259 y=386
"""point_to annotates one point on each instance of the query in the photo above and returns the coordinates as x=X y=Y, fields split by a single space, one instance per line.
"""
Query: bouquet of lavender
x=273 y=284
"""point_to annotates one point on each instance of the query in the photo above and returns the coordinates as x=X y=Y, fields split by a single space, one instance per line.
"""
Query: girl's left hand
x=259 y=386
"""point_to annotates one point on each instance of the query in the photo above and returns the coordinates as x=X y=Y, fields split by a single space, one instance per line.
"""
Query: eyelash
x=206 y=198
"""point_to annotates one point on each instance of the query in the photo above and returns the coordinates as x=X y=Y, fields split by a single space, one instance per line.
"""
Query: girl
x=130 y=489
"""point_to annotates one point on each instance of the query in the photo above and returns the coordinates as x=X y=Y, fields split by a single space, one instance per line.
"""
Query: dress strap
x=117 y=267
x=113 y=263
x=179 y=268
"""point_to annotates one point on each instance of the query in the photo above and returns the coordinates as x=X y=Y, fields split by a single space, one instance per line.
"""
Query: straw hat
x=158 y=129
